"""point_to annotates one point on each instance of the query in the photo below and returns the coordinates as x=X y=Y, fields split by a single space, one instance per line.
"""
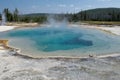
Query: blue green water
x=53 y=39
x=62 y=41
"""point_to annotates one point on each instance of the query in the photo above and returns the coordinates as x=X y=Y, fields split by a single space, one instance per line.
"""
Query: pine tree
x=8 y=14
x=15 y=14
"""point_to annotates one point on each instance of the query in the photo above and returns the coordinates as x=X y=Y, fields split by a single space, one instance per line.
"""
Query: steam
x=56 y=21
x=3 y=19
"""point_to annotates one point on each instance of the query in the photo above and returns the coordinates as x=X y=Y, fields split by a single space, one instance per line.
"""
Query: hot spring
x=64 y=40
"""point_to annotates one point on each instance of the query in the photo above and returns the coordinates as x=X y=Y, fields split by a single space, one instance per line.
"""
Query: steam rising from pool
x=62 y=39
x=53 y=22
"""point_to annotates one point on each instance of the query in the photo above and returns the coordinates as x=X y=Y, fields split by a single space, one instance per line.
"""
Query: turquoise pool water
x=62 y=41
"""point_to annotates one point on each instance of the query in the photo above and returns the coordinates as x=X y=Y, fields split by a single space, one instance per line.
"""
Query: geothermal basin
x=62 y=40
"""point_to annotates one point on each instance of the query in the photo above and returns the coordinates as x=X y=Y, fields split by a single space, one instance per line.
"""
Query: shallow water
x=62 y=41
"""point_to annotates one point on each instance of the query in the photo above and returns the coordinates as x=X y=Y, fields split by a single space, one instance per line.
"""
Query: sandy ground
x=6 y=28
x=23 y=68
x=114 y=30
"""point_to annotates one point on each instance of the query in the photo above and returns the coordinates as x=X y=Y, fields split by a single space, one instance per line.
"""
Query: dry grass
x=21 y=24
x=102 y=22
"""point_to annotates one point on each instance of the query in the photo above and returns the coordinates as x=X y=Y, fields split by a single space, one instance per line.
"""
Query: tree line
x=99 y=14
x=11 y=16
x=14 y=16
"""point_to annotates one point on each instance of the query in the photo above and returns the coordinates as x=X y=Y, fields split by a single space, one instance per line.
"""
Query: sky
x=56 y=6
